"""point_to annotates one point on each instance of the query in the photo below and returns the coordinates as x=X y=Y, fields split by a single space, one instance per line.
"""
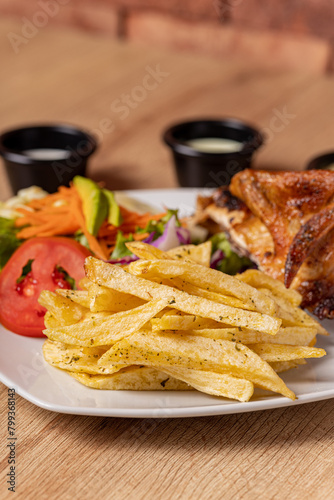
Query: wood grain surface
x=67 y=76
x=278 y=454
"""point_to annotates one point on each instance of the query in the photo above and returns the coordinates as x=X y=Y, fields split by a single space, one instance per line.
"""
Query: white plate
x=22 y=367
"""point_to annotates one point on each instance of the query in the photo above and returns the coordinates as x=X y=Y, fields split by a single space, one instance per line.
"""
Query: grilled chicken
x=283 y=221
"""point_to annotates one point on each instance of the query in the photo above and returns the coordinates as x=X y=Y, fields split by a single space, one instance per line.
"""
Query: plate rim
x=166 y=412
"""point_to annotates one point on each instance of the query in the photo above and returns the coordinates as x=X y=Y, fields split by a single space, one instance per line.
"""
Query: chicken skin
x=284 y=222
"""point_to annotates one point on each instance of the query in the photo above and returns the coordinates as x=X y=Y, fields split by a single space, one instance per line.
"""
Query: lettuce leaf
x=8 y=240
x=81 y=238
x=158 y=226
x=231 y=262
x=120 y=249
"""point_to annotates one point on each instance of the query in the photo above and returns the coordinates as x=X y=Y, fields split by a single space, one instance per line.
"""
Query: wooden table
x=279 y=454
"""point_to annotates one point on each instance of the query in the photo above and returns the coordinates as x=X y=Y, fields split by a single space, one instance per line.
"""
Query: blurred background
x=293 y=34
x=85 y=62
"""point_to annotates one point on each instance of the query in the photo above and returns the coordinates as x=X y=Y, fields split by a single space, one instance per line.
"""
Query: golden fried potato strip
x=187 y=322
x=279 y=352
x=202 y=292
x=77 y=359
x=169 y=322
x=105 y=330
x=133 y=378
x=113 y=277
x=62 y=309
x=294 y=316
x=201 y=254
x=102 y=298
x=194 y=352
x=217 y=384
x=146 y=379
x=283 y=366
x=84 y=283
x=286 y=336
x=146 y=251
x=77 y=296
x=258 y=279
x=210 y=279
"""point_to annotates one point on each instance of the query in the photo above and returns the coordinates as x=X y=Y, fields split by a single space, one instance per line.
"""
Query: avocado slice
x=114 y=212
x=94 y=203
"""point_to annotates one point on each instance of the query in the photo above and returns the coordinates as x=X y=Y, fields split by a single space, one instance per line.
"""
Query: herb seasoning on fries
x=168 y=322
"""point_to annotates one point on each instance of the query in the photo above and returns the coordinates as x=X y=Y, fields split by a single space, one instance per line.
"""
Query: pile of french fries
x=169 y=322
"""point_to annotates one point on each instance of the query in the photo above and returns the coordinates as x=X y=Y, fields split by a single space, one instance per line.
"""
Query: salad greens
x=8 y=240
x=120 y=249
x=228 y=261
x=158 y=226
x=81 y=238
x=223 y=258
x=162 y=233
x=155 y=228
x=25 y=271
x=66 y=277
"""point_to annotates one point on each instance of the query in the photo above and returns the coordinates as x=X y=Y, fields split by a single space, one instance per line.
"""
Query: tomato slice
x=39 y=264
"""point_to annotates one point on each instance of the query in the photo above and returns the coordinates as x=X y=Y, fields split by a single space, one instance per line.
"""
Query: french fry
x=217 y=384
x=170 y=323
x=147 y=379
x=187 y=322
x=312 y=342
x=201 y=254
x=283 y=366
x=50 y=321
x=84 y=283
x=106 y=299
x=113 y=277
x=62 y=309
x=258 y=279
x=228 y=333
x=76 y=359
x=105 y=330
x=285 y=336
x=56 y=334
x=202 y=292
x=133 y=378
x=210 y=279
x=146 y=251
x=294 y=316
x=169 y=312
x=185 y=351
x=275 y=352
x=77 y=296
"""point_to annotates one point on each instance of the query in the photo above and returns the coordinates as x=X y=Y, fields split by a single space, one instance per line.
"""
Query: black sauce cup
x=49 y=173
x=195 y=168
x=322 y=162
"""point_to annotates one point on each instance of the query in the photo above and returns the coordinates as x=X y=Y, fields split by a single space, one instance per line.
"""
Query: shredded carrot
x=140 y=236
x=61 y=213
